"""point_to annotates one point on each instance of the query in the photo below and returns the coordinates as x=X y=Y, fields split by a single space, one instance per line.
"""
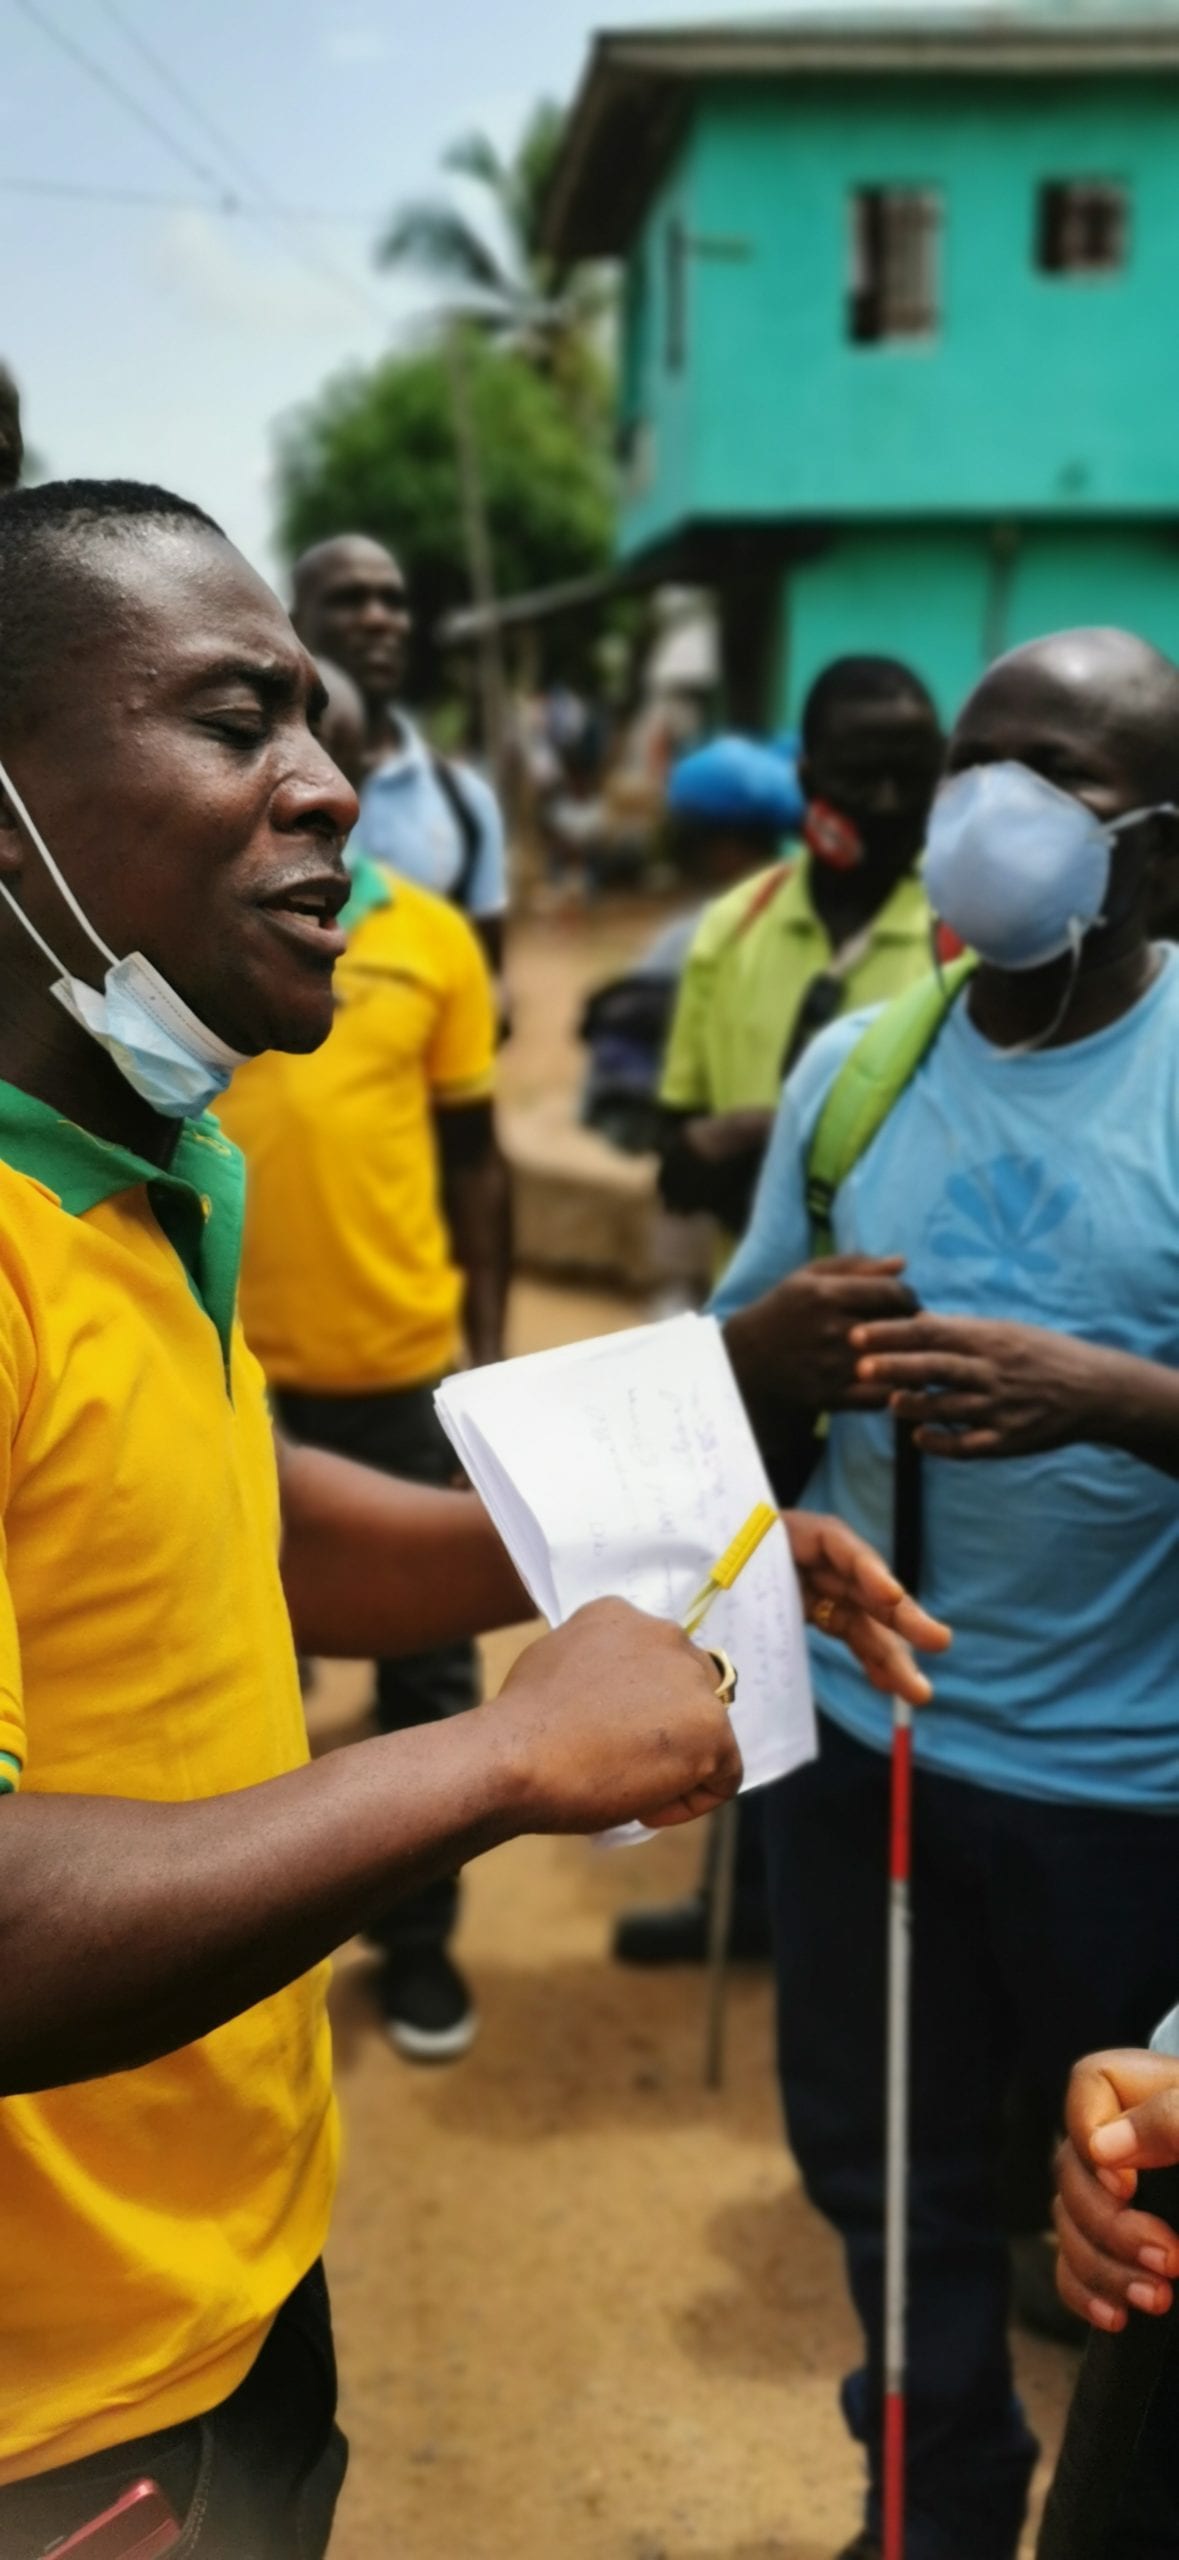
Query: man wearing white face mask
x=1021 y=1175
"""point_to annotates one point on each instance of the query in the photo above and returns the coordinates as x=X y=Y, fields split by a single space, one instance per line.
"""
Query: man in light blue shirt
x=1024 y=1189
x=435 y=821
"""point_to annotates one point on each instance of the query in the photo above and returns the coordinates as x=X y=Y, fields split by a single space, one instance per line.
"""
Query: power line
x=227 y=200
x=191 y=105
x=127 y=99
x=81 y=191
x=267 y=212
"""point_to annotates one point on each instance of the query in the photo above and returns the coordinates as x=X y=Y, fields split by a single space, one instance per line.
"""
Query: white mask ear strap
x=59 y=881
x=31 y=930
x=1040 y=1039
x=1134 y=817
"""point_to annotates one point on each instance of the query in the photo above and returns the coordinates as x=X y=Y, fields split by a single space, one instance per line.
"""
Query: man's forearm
x=372 y=1565
x=478 y=1204
x=130 y=1929
x=1133 y=1405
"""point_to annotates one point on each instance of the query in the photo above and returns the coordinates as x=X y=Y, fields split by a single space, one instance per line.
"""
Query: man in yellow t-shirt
x=377 y=1233
x=173 y=1869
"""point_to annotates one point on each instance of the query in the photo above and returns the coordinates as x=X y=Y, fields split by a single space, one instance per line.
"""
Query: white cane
x=898 y=2058
x=896 y=2147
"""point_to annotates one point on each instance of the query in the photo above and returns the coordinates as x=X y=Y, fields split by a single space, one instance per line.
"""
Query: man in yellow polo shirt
x=173 y=1870
x=845 y=923
x=377 y=1233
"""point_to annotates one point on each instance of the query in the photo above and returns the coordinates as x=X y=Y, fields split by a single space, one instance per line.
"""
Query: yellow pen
x=736 y=1556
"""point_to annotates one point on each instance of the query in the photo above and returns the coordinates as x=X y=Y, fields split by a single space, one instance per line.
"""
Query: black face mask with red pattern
x=832 y=837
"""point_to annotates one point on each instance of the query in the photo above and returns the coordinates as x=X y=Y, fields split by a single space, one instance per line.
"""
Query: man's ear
x=12 y=839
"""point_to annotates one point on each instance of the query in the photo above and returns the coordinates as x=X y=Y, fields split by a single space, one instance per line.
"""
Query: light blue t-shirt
x=407 y=823
x=1043 y=1189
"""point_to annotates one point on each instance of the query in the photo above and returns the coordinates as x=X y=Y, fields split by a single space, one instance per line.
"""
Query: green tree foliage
x=492 y=268
x=375 y=453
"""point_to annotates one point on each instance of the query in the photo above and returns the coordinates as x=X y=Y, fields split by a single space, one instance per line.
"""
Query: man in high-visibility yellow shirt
x=377 y=1233
x=773 y=960
x=846 y=923
x=173 y=1871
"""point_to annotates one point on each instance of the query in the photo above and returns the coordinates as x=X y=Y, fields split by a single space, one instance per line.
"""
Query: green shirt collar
x=198 y=1202
x=904 y=917
x=371 y=887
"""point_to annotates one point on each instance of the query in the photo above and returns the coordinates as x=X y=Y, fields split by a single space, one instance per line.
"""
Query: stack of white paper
x=625 y=1466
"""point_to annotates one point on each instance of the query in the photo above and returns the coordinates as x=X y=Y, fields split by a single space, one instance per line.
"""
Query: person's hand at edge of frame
x=848 y=1592
x=1122 y=2116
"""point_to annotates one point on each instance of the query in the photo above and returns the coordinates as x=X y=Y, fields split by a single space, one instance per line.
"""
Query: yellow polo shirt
x=348 y=1283
x=755 y=953
x=155 y=2220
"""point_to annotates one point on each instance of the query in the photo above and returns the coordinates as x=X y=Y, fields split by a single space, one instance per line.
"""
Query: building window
x=895 y=233
x=1082 y=227
x=675 y=295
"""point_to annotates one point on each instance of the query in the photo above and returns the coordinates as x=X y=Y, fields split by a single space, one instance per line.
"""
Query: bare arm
x=477 y=1199
x=490 y=930
x=129 y=1929
x=372 y=1565
x=712 y=1161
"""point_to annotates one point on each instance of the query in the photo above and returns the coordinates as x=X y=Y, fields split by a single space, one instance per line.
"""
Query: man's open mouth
x=306 y=914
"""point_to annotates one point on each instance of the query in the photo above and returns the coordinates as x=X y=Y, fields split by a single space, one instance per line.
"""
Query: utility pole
x=480 y=563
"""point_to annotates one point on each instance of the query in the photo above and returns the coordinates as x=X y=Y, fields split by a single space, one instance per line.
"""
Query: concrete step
x=585 y=1211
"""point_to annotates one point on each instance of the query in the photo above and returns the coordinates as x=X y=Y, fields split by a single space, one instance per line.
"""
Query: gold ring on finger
x=726 y=1674
x=823 y=1612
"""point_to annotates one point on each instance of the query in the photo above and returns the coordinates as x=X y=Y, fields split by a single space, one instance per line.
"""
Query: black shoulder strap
x=466 y=822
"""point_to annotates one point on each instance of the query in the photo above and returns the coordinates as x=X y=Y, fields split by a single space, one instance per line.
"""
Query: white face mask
x=1019 y=869
x=167 y=1054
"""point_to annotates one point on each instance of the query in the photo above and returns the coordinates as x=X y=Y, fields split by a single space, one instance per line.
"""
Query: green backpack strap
x=885 y=1059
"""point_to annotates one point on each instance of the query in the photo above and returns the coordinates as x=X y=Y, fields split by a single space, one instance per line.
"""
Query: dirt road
x=584 y=2312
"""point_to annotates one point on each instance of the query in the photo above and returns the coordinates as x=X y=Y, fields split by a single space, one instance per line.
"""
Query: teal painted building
x=900 y=362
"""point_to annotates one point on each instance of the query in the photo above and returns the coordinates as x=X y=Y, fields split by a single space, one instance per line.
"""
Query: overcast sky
x=161 y=340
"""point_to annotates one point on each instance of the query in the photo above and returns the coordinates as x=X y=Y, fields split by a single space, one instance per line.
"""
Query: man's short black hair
x=860 y=680
x=56 y=549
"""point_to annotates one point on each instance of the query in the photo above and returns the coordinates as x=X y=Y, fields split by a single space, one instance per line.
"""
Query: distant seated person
x=728 y=805
x=841 y=921
x=434 y=821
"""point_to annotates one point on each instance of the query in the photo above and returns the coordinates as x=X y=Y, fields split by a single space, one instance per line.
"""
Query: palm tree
x=493 y=272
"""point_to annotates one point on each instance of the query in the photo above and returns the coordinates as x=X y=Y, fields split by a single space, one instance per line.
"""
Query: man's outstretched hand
x=1122 y=2116
x=615 y=1718
x=849 y=1593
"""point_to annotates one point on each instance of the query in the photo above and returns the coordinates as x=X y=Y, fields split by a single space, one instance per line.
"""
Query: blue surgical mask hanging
x=167 y=1054
x=1018 y=869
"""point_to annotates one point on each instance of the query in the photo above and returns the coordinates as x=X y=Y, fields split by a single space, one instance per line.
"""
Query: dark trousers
x=1040 y=1932
x=1146 y=2526
x=257 y=2479
x=399 y=1433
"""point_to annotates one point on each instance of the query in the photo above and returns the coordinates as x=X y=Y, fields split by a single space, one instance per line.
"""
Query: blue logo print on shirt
x=1012 y=1220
